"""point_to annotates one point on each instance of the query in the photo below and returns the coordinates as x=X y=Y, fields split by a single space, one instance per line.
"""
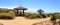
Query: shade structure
x=20 y=8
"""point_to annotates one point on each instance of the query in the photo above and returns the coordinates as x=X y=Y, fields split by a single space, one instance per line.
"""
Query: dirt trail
x=22 y=21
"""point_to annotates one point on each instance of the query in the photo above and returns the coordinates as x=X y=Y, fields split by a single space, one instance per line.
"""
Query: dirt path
x=22 y=21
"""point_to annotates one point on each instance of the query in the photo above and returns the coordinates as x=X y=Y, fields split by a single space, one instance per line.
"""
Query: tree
x=40 y=11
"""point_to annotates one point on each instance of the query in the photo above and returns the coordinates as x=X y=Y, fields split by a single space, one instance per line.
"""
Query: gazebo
x=20 y=8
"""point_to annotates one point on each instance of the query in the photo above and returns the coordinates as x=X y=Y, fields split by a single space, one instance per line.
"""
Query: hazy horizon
x=49 y=6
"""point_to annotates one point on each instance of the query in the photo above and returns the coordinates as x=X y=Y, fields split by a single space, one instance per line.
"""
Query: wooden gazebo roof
x=20 y=8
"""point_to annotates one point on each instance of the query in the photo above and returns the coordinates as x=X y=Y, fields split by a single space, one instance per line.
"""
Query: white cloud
x=8 y=7
x=33 y=10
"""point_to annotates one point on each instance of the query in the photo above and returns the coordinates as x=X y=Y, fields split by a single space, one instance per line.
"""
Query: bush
x=39 y=16
x=27 y=14
x=12 y=13
x=9 y=15
x=49 y=15
x=53 y=18
x=44 y=15
x=57 y=15
x=34 y=16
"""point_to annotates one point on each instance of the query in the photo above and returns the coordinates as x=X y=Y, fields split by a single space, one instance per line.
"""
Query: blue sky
x=49 y=6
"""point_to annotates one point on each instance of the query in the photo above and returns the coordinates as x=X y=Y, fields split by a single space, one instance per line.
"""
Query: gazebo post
x=23 y=12
x=17 y=12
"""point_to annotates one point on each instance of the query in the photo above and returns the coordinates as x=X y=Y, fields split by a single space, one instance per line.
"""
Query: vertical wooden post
x=23 y=12
x=17 y=12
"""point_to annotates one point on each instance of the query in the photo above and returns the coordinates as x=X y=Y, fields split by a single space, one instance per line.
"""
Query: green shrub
x=57 y=15
x=44 y=15
x=49 y=15
x=12 y=13
x=34 y=16
x=39 y=16
x=53 y=18
x=9 y=15
x=27 y=14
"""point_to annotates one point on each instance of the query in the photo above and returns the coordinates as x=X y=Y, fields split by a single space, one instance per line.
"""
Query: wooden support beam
x=23 y=12
x=17 y=12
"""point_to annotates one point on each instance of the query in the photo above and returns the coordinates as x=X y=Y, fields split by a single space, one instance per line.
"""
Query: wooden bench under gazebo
x=18 y=9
